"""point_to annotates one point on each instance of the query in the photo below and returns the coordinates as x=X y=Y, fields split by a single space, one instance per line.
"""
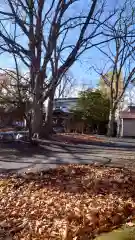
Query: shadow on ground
x=21 y=156
x=104 y=142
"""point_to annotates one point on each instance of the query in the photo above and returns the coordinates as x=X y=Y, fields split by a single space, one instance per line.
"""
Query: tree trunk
x=110 y=131
x=37 y=104
x=37 y=118
x=48 y=128
x=28 y=126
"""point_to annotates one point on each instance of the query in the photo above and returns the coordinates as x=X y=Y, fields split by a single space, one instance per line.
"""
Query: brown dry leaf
x=75 y=138
x=70 y=202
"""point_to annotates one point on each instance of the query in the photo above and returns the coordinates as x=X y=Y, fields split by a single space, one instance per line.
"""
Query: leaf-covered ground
x=76 y=137
x=71 y=202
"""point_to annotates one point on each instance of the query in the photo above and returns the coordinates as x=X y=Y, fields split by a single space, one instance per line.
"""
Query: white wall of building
x=128 y=128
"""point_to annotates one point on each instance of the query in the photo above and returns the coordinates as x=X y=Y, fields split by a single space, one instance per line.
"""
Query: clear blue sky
x=81 y=69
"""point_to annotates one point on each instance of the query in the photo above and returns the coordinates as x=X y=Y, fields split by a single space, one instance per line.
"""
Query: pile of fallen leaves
x=76 y=138
x=71 y=202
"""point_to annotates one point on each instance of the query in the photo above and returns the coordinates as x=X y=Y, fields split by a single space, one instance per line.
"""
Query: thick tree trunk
x=110 y=131
x=28 y=126
x=37 y=118
x=37 y=104
x=48 y=128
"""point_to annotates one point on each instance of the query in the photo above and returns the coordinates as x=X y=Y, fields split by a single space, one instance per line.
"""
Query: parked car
x=58 y=129
x=22 y=136
x=7 y=136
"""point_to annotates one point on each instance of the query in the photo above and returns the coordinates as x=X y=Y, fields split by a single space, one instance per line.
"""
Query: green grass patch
x=124 y=233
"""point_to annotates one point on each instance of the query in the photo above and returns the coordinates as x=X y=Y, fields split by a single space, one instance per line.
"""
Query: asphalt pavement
x=21 y=157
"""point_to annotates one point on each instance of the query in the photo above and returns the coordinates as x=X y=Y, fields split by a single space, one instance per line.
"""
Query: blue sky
x=81 y=69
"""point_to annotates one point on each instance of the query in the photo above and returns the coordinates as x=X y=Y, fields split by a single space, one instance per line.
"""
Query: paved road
x=22 y=157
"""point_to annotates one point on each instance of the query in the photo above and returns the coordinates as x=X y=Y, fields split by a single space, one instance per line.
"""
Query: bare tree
x=63 y=89
x=66 y=86
x=130 y=96
x=15 y=94
x=119 y=55
x=49 y=35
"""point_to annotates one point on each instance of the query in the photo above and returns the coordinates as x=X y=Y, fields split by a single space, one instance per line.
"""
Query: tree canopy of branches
x=66 y=86
x=15 y=94
x=13 y=89
x=119 y=54
x=47 y=37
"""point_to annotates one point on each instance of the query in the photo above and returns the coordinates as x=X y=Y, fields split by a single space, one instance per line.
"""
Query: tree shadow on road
x=18 y=156
x=24 y=156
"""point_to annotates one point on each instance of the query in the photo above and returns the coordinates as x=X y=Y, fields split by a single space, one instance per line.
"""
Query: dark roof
x=60 y=99
x=59 y=112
